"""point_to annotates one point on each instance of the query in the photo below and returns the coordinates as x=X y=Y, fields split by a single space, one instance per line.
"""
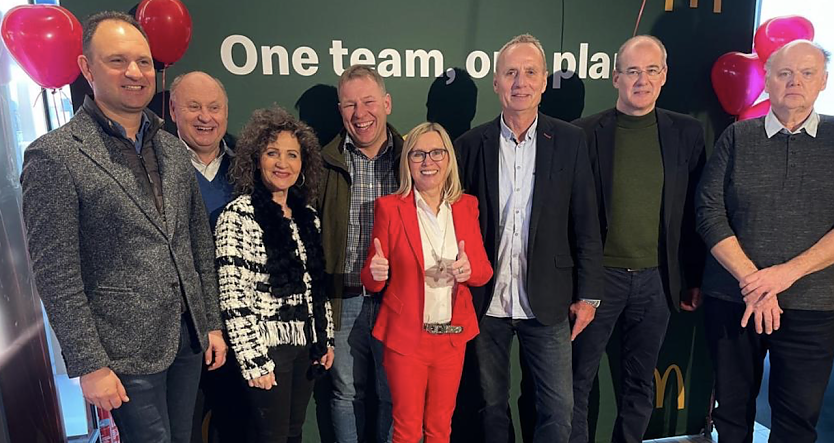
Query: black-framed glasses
x=420 y=156
x=651 y=72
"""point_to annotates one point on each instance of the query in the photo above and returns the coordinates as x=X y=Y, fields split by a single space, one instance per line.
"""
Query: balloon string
x=55 y=106
x=163 y=92
x=639 y=17
x=38 y=98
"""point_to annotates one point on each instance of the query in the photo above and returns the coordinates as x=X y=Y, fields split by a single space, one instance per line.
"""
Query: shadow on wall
x=319 y=108
x=566 y=102
x=452 y=102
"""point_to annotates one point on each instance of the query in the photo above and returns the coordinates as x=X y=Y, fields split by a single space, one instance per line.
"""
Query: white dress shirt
x=208 y=170
x=773 y=125
x=516 y=176
x=440 y=250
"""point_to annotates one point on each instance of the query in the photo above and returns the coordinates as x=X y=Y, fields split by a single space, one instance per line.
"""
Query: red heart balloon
x=760 y=109
x=168 y=25
x=776 y=32
x=738 y=80
x=46 y=42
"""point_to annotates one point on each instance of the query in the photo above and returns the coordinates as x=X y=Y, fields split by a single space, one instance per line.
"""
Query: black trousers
x=801 y=355
x=636 y=301
x=220 y=395
x=278 y=414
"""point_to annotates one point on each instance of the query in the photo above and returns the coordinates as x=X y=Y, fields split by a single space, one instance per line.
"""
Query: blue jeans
x=161 y=405
x=358 y=360
x=547 y=354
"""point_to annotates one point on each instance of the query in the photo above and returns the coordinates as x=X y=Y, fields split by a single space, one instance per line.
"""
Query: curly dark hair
x=262 y=129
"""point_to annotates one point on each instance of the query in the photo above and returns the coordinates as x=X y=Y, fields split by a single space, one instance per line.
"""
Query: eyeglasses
x=634 y=73
x=420 y=156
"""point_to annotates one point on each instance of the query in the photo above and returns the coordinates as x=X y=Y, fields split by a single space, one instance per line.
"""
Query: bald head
x=796 y=74
x=639 y=42
x=199 y=77
x=199 y=107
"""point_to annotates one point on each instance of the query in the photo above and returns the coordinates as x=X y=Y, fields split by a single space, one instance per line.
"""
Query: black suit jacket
x=564 y=250
x=680 y=250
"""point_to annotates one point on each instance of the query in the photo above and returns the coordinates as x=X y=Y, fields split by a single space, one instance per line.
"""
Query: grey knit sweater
x=777 y=197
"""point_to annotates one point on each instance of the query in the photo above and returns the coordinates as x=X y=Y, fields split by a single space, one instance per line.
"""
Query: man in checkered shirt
x=360 y=165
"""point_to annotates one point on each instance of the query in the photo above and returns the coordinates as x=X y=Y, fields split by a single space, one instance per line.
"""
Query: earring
x=303 y=180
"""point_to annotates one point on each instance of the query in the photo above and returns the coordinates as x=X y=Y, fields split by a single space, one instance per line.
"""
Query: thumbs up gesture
x=379 y=264
x=461 y=268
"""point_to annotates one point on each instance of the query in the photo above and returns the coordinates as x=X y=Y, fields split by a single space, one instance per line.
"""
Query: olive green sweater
x=634 y=228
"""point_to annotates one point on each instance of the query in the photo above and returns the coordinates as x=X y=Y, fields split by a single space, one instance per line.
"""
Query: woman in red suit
x=427 y=252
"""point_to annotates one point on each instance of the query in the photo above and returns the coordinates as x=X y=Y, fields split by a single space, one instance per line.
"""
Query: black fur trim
x=283 y=261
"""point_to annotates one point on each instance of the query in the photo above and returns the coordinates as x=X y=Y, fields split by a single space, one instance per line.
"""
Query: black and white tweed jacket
x=271 y=289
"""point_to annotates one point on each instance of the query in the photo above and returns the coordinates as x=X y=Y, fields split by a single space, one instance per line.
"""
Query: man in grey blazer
x=120 y=244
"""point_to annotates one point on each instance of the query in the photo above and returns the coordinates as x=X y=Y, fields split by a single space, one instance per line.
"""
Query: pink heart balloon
x=760 y=109
x=46 y=42
x=778 y=31
x=738 y=80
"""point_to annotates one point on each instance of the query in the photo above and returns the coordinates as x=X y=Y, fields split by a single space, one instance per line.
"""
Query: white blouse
x=440 y=250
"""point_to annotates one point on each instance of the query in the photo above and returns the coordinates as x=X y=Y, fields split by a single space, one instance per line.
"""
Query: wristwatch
x=594 y=303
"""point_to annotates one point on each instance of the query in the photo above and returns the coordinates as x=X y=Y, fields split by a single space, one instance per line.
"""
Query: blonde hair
x=452 y=190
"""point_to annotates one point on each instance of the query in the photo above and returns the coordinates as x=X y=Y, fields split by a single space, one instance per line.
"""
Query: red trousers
x=424 y=386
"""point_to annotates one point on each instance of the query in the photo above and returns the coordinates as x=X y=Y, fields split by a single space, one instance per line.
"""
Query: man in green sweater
x=646 y=163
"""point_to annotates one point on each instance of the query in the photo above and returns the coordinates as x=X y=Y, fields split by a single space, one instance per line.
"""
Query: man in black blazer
x=534 y=186
x=646 y=163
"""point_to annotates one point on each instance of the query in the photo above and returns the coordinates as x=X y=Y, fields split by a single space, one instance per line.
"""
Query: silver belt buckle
x=442 y=328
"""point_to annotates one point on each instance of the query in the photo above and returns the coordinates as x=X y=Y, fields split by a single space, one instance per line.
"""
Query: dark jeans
x=278 y=414
x=161 y=405
x=547 y=354
x=221 y=395
x=637 y=301
x=358 y=363
x=801 y=355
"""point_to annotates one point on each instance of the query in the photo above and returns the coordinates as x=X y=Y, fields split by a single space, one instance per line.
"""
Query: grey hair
x=524 y=38
x=826 y=56
x=176 y=83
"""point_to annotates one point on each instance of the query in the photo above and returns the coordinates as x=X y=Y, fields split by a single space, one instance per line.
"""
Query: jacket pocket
x=563 y=261
x=392 y=301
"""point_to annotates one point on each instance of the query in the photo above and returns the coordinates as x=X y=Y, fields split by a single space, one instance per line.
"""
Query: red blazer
x=400 y=322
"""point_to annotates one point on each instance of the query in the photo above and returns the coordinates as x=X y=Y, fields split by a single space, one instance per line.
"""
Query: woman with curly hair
x=271 y=266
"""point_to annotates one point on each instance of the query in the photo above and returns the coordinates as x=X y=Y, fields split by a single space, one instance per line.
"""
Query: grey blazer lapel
x=91 y=143
x=170 y=188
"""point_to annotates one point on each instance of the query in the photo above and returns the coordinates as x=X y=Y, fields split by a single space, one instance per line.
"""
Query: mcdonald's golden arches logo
x=660 y=384
x=716 y=5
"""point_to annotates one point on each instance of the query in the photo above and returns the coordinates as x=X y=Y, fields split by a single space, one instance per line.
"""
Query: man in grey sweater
x=764 y=208
x=120 y=244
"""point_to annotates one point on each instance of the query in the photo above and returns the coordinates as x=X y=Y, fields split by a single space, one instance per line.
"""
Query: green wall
x=694 y=37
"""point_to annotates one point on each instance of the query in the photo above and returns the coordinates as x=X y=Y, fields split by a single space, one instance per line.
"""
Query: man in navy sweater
x=199 y=107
